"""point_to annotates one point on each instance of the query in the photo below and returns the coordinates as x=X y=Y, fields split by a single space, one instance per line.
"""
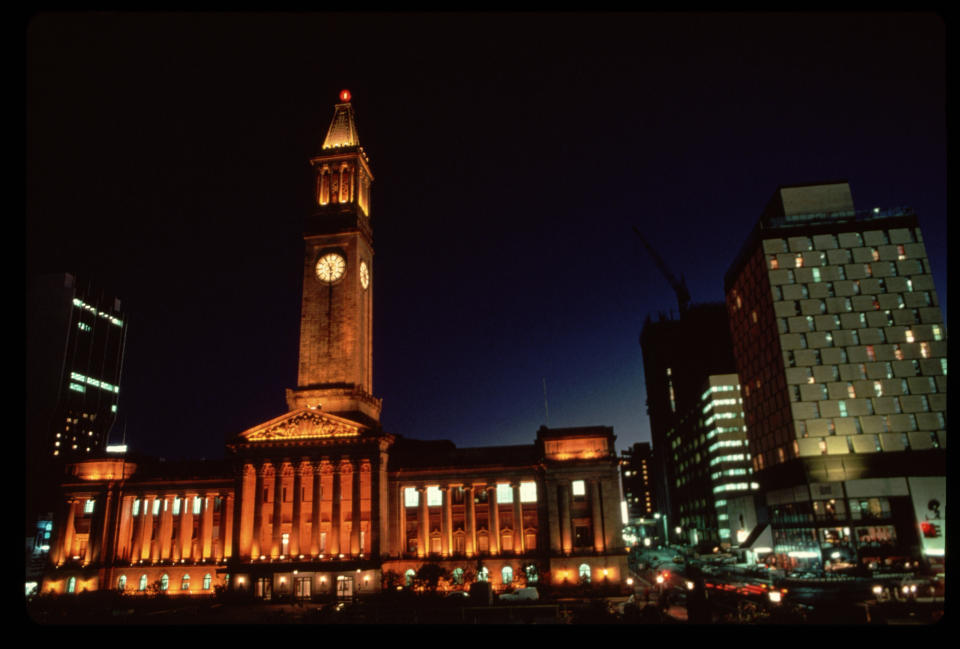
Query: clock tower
x=335 y=372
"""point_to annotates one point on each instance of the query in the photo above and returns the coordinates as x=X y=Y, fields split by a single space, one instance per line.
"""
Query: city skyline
x=508 y=177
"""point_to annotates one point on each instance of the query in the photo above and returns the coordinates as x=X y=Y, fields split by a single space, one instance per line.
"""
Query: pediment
x=303 y=424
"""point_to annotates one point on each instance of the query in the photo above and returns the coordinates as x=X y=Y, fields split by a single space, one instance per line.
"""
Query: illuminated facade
x=636 y=469
x=841 y=350
x=321 y=500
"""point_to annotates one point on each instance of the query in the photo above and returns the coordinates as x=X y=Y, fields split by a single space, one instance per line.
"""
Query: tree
x=429 y=576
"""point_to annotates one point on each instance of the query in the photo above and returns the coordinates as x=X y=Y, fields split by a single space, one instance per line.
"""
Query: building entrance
x=344 y=587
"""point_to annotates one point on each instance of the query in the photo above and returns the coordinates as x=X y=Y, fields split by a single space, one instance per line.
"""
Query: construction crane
x=679 y=287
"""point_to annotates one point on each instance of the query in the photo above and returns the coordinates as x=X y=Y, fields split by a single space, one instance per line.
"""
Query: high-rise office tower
x=841 y=352
x=75 y=345
x=636 y=469
x=679 y=354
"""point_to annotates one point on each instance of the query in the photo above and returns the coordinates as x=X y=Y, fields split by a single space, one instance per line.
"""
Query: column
x=565 y=536
x=276 y=549
x=177 y=551
x=494 y=519
x=335 y=513
x=295 y=527
x=553 y=516
x=146 y=544
x=156 y=529
x=242 y=523
x=315 y=511
x=136 y=539
x=518 y=538
x=402 y=533
x=597 y=517
x=186 y=527
x=166 y=527
x=446 y=545
x=423 y=523
x=68 y=531
x=355 y=548
x=227 y=528
x=258 y=513
x=471 y=522
x=101 y=552
x=206 y=528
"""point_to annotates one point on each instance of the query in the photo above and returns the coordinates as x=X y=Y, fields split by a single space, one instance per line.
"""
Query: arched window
x=164 y=582
x=143 y=583
x=122 y=583
x=206 y=581
x=507 y=574
x=458 y=576
x=185 y=583
x=532 y=575
x=72 y=585
x=410 y=574
x=483 y=574
x=584 y=573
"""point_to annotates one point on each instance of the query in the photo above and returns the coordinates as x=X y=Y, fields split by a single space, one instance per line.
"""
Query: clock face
x=364 y=275
x=331 y=267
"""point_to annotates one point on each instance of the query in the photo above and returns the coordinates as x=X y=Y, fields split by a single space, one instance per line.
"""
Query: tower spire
x=343 y=126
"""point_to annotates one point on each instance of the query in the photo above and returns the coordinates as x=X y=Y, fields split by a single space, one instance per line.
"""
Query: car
x=528 y=594
x=678 y=559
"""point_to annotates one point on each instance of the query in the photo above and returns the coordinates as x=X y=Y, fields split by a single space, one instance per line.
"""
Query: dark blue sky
x=167 y=156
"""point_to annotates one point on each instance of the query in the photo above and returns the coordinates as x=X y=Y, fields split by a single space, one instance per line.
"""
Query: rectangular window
x=434 y=496
x=88 y=506
x=411 y=498
x=136 y=506
x=504 y=493
x=176 y=506
x=579 y=488
x=156 y=507
x=196 y=504
x=528 y=492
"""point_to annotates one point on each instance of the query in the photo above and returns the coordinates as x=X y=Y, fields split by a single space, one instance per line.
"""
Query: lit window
x=72 y=585
x=925 y=350
x=842 y=405
x=871 y=354
x=901 y=252
x=897 y=352
x=875 y=253
x=937 y=334
x=579 y=488
x=816 y=274
x=156 y=507
x=83 y=326
x=136 y=506
x=584 y=573
x=88 y=506
x=774 y=264
x=176 y=506
x=122 y=583
x=528 y=492
x=411 y=498
x=909 y=335
x=507 y=574
x=207 y=579
x=435 y=496
x=143 y=583
x=185 y=583
x=164 y=582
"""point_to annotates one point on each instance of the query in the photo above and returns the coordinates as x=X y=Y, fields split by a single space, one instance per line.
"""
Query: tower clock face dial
x=330 y=267
x=364 y=275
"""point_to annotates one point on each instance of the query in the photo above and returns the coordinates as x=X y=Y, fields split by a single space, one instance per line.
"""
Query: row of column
x=470 y=520
x=559 y=511
x=119 y=534
x=173 y=538
x=311 y=542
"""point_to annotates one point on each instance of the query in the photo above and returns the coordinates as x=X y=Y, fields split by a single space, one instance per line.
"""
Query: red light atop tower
x=344 y=95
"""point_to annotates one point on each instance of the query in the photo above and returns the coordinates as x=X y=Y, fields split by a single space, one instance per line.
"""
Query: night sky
x=167 y=159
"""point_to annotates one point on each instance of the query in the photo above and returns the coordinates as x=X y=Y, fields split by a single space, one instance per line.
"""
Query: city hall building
x=321 y=499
